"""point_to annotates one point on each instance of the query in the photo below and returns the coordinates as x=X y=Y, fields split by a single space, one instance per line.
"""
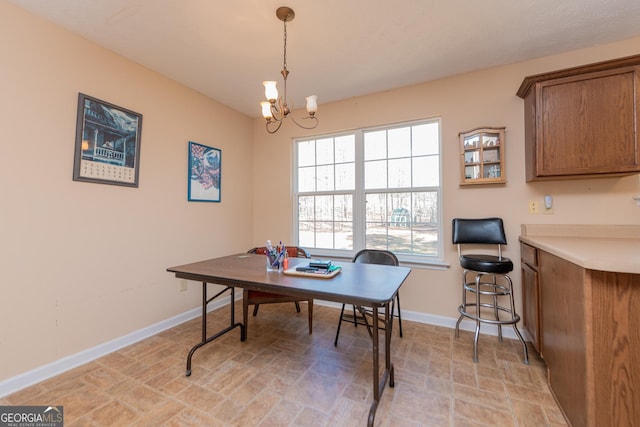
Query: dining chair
x=361 y=314
x=485 y=276
x=255 y=298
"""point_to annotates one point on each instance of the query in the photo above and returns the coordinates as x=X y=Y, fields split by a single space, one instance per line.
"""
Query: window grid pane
x=324 y=151
x=399 y=173
x=307 y=179
x=345 y=149
x=375 y=145
x=345 y=178
x=375 y=174
x=325 y=180
x=306 y=153
x=399 y=142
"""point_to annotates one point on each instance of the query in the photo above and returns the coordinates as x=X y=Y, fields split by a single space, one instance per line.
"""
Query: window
x=372 y=188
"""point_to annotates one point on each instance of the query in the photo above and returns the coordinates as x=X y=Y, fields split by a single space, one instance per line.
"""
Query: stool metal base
x=473 y=310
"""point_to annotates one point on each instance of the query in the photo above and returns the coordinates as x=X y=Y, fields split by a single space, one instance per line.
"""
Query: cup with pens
x=275 y=256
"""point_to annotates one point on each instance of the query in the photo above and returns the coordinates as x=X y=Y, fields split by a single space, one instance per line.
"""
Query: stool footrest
x=488 y=289
x=515 y=318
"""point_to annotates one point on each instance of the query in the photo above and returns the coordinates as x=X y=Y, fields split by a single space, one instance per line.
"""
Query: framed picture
x=205 y=171
x=107 y=143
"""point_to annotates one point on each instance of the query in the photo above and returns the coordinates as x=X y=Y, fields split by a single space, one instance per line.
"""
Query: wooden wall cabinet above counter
x=580 y=122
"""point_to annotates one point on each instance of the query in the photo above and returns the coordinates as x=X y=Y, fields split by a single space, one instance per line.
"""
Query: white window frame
x=359 y=194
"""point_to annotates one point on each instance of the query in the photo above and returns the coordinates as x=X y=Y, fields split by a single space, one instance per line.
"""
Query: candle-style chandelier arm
x=270 y=125
x=313 y=118
x=275 y=109
x=277 y=112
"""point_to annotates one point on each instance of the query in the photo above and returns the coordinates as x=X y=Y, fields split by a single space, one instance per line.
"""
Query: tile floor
x=281 y=376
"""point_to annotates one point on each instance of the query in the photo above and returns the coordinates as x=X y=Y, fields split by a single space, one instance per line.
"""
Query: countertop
x=614 y=248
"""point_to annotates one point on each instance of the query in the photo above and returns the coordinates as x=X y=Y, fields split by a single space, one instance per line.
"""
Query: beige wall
x=82 y=263
x=483 y=98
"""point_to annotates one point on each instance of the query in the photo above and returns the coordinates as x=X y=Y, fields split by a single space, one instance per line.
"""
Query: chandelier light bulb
x=266 y=110
x=270 y=90
x=312 y=104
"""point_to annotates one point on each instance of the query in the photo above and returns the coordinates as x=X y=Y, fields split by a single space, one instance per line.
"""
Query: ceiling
x=336 y=49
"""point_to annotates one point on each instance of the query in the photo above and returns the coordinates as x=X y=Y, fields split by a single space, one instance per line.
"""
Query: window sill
x=428 y=265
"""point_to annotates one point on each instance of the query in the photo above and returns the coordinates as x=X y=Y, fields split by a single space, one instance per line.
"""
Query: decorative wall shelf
x=482 y=156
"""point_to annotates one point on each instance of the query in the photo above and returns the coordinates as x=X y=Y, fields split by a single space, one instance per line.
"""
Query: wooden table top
x=360 y=284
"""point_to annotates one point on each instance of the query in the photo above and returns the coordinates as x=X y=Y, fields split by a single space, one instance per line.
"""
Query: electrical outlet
x=183 y=285
x=534 y=208
x=546 y=211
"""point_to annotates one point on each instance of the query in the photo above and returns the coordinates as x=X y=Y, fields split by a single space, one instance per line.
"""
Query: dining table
x=370 y=286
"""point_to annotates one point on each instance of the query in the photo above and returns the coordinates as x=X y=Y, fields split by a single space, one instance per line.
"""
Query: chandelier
x=275 y=109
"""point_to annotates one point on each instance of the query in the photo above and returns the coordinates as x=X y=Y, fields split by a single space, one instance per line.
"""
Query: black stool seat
x=486 y=263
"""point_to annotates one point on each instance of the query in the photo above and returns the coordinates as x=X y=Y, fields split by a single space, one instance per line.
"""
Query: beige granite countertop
x=613 y=248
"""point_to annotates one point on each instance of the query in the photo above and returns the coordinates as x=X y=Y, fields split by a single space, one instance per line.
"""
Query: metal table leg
x=380 y=382
x=232 y=325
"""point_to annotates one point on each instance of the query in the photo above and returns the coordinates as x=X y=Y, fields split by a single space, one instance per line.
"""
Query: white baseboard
x=52 y=369
x=42 y=373
x=447 y=322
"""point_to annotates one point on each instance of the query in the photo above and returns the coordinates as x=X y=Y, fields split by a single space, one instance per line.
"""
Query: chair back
x=292 y=251
x=376 y=256
x=484 y=231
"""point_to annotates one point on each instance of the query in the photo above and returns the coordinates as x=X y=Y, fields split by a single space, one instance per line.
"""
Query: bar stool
x=480 y=278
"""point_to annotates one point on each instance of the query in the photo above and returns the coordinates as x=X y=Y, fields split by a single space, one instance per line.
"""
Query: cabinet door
x=586 y=124
x=563 y=320
x=530 y=305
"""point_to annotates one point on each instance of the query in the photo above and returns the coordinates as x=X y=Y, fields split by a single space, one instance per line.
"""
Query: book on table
x=314 y=269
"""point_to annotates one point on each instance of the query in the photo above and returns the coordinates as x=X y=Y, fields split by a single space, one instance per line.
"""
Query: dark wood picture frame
x=107 y=149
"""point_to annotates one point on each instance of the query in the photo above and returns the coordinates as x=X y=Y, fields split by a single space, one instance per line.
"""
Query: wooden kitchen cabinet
x=564 y=332
x=591 y=341
x=580 y=122
x=531 y=294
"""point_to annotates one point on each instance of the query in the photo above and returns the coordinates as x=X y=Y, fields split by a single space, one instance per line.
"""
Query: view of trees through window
x=376 y=188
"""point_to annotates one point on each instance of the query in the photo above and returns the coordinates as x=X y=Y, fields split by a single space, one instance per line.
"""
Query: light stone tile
x=113 y=413
x=104 y=378
x=528 y=414
x=160 y=415
x=482 y=415
x=310 y=417
x=143 y=398
x=282 y=413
